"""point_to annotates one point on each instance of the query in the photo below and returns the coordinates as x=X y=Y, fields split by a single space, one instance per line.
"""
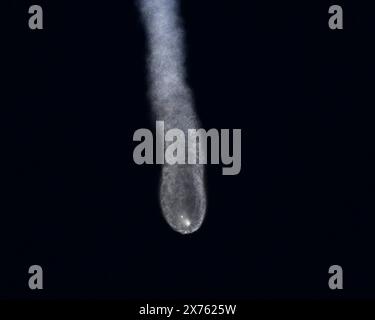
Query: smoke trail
x=182 y=191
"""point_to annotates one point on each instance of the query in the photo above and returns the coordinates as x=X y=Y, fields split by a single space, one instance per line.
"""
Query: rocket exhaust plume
x=182 y=187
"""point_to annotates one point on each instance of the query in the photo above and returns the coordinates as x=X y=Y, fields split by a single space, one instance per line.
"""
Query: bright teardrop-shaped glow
x=182 y=187
x=182 y=197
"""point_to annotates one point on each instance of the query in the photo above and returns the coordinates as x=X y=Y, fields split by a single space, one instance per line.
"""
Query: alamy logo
x=36 y=280
x=173 y=147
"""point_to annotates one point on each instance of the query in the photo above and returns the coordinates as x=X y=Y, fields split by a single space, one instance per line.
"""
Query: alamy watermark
x=173 y=147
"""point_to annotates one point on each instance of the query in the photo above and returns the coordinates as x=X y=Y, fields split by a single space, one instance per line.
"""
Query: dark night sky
x=75 y=202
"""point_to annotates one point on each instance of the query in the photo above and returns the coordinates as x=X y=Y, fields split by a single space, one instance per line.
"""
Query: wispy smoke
x=182 y=190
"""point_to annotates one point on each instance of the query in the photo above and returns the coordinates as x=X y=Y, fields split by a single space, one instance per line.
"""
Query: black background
x=74 y=202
